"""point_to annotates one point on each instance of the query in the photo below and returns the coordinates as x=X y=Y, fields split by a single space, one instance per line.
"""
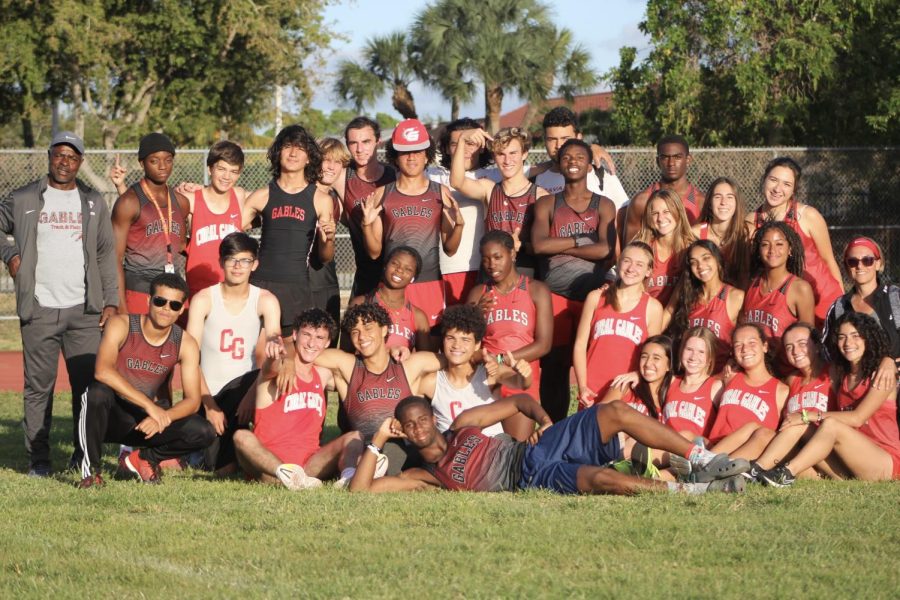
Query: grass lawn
x=195 y=537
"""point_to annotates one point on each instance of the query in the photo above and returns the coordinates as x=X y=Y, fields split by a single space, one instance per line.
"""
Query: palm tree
x=387 y=67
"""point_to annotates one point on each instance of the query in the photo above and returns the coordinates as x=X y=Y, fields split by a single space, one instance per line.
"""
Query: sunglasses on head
x=867 y=261
x=159 y=302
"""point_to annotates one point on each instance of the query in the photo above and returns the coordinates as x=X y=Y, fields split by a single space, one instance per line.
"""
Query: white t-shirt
x=612 y=187
x=60 y=273
x=449 y=401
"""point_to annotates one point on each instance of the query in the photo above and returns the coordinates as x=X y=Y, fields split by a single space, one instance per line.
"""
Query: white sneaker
x=345 y=478
x=381 y=466
x=295 y=478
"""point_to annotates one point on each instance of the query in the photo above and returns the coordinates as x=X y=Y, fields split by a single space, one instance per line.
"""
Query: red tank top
x=714 y=316
x=355 y=191
x=371 y=397
x=770 y=310
x=691 y=201
x=145 y=245
x=742 y=403
x=664 y=276
x=881 y=427
x=512 y=321
x=815 y=395
x=145 y=366
x=291 y=426
x=478 y=462
x=614 y=341
x=690 y=411
x=208 y=229
x=826 y=288
x=402 y=331
x=415 y=221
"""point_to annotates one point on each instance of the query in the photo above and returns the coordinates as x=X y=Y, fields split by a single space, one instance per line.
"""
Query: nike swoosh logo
x=233 y=216
x=165 y=355
x=698 y=397
x=426 y=199
x=761 y=392
x=434 y=317
x=588 y=218
x=390 y=379
x=28 y=212
x=633 y=318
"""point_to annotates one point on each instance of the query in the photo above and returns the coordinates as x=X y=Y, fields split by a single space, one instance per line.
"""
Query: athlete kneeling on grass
x=568 y=457
x=287 y=427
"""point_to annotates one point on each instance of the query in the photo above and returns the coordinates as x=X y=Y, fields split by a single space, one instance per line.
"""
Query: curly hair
x=464 y=124
x=392 y=155
x=769 y=356
x=796 y=261
x=691 y=288
x=505 y=136
x=405 y=250
x=642 y=391
x=466 y=318
x=735 y=243
x=316 y=318
x=873 y=336
x=296 y=135
x=365 y=313
x=561 y=116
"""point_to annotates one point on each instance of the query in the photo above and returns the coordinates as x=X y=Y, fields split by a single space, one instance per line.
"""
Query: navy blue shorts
x=553 y=462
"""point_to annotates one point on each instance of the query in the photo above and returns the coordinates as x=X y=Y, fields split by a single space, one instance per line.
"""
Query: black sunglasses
x=867 y=261
x=159 y=302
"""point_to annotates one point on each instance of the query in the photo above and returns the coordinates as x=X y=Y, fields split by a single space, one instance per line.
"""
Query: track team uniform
x=510 y=326
x=402 y=332
x=477 y=462
x=291 y=426
x=825 y=287
x=881 y=427
x=690 y=411
x=368 y=270
x=324 y=290
x=415 y=221
x=714 y=316
x=153 y=246
x=815 y=395
x=664 y=276
x=691 y=201
x=509 y=213
x=449 y=401
x=770 y=311
x=609 y=186
x=613 y=343
x=106 y=417
x=208 y=229
x=288 y=232
x=742 y=403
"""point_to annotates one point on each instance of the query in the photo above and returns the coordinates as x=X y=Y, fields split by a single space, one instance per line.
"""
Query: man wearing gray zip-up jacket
x=63 y=260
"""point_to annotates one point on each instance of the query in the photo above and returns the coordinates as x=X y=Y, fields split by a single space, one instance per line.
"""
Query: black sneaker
x=39 y=470
x=752 y=476
x=778 y=477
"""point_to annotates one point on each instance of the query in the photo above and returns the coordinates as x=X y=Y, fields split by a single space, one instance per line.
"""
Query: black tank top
x=288 y=232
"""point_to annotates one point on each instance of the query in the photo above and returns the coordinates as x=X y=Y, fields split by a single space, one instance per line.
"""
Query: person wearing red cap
x=871 y=294
x=148 y=222
x=414 y=211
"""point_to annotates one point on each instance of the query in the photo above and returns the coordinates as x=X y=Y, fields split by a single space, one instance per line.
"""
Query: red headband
x=865 y=243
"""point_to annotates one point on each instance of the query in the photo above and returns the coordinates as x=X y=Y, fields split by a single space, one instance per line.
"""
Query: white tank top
x=229 y=341
x=449 y=401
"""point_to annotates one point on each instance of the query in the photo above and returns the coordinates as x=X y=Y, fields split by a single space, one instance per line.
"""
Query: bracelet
x=804 y=416
x=373 y=449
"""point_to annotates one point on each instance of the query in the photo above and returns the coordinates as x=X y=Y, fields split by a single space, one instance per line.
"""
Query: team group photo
x=270 y=328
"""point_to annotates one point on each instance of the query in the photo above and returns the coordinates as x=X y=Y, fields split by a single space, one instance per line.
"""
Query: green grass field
x=195 y=537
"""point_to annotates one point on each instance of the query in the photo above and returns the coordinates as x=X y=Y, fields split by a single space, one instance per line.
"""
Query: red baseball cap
x=409 y=136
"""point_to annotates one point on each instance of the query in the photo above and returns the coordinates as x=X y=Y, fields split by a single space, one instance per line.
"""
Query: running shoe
x=752 y=476
x=295 y=478
x=642 y=461
x=681 y=467
x=90 y=481
x=145 y=470
x=778 y=477
x=346 y=476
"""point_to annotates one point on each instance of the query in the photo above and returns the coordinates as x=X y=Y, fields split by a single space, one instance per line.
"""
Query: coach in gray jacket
x=63 y=261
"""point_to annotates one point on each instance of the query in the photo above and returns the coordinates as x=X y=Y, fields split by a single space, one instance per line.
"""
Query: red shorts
x=458 y=285
x=566 y=314
x=429 y=297
x=534 y=391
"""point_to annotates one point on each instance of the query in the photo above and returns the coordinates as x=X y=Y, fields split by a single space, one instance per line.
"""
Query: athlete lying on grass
x=569 y=457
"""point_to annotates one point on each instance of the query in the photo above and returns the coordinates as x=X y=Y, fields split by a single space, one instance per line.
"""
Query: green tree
x=388 y=68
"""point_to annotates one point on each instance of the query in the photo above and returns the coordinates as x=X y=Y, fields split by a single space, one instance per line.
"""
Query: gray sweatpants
x=52 y=329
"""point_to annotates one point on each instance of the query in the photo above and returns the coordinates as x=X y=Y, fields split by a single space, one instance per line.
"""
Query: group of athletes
x=712 y=345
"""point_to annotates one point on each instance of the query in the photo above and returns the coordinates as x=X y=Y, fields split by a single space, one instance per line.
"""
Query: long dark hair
x=735 y=245
x=296 y=135
x=872 y=334
x=642 y=391
x=691 y=288
x=796 y=261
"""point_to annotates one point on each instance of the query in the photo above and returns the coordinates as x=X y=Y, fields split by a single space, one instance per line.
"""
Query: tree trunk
x=493 y=103
x=530 y=114
x=27 y=132
x=454 y=108
x=403 y=102
x=78 y=109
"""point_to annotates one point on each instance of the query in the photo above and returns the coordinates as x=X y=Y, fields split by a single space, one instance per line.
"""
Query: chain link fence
x=857 y=190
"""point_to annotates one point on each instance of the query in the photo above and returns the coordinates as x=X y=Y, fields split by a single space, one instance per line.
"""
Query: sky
x=602 y=26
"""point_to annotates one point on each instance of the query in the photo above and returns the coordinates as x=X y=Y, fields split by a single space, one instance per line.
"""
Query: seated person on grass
x=284 y=444
x=464 y=384
x=568 y=457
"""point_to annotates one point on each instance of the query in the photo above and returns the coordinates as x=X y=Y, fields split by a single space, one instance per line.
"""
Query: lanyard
x=165 y=224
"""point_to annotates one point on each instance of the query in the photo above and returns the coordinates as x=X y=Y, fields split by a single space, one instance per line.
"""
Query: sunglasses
x=867 y=261
x=159 y=302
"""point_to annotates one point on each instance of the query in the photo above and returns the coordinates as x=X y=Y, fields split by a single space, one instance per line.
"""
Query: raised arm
x=411 y=480
x=477 y=189
x=372 y=224
x=490 y=414
x=326 y=226
x=452 y=223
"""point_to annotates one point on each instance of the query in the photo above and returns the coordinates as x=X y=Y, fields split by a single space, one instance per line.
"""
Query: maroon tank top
x=144 y=365
x=372 y=397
